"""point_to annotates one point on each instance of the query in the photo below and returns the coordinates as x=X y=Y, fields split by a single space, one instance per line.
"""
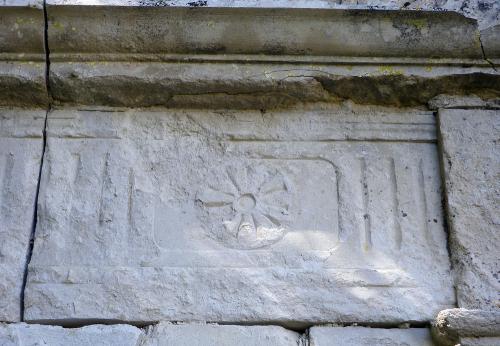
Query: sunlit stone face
x=295 y=216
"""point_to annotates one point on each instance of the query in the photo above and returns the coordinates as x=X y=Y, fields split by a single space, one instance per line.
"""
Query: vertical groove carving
x=105 y=183
x=367 y=242
x=131 y=187
x=341 y=236
x=423 y=201
x=6 y=178
x=398 y=235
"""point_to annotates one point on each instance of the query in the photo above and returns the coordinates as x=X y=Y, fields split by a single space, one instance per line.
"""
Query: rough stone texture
x=297 y=216
x=20 y=154
x=216 y=335
x=22 y=57
x=360 y=336
x=95 y=335
x=470 y=144
x=453 y=325
x=463 y=322
x=262 y=85
x=462 y=102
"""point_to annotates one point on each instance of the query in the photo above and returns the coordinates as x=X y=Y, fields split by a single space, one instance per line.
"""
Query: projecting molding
x=139 y=55
x=22 y=56
x=261 y=58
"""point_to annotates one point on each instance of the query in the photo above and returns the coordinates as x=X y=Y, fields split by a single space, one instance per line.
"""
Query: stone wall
x=215 y=173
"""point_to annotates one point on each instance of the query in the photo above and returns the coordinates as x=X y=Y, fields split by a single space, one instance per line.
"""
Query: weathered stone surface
x=360 y=336
x=166 y=334
x=312 y=32
x=462 y=102
x=490 y=39
x=20 y=154
x=486 y=12
x=470 y=142
x=206 y=58
x=22 y=334
x=297 y=216
x=465 y=322
x=22 y=57
x=238 y=84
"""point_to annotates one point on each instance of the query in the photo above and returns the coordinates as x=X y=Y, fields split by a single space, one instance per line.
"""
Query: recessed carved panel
x=241 y=217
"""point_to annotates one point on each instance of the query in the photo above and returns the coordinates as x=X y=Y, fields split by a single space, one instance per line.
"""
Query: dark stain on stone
x=210 y=49
x=273 y=49
x=484 y=6
x=199 y=3
x=155 y=3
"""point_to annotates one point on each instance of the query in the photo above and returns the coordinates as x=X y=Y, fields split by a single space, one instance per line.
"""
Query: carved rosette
x=246 y=207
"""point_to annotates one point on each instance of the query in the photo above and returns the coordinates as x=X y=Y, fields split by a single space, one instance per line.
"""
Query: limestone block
x=20 y=154
x=297 y=216
x=219 y=335
x=361 y=336
x=470 y=142
x=23 y=334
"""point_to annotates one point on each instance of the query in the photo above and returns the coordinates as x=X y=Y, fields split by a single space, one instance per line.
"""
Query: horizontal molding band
x=305 y=32
x=139 y=56
x=259 y=58
x=261 y=86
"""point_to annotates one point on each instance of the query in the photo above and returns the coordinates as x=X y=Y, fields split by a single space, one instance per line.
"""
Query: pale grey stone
x=361 y=336
x=20 y=155
x=462 y=102
x=470 y=142
x=166 y=334
x=22 y=3
x=22 y=334
x=488 y=341
x=297 y=216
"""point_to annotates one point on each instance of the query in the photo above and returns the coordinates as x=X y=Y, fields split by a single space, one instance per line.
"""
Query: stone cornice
x=140 y=56
x=307 y=32
x=22 y=55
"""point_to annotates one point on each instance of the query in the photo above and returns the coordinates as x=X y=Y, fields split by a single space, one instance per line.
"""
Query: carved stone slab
x=360 y=336
x=470 y=140
x=20 y=154
x=308 y=216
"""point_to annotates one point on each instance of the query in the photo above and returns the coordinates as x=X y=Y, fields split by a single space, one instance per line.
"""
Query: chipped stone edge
x=453 y=324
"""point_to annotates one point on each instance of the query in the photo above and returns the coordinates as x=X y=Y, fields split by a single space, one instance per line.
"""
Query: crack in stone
x=485 y=58
x=31 y=244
